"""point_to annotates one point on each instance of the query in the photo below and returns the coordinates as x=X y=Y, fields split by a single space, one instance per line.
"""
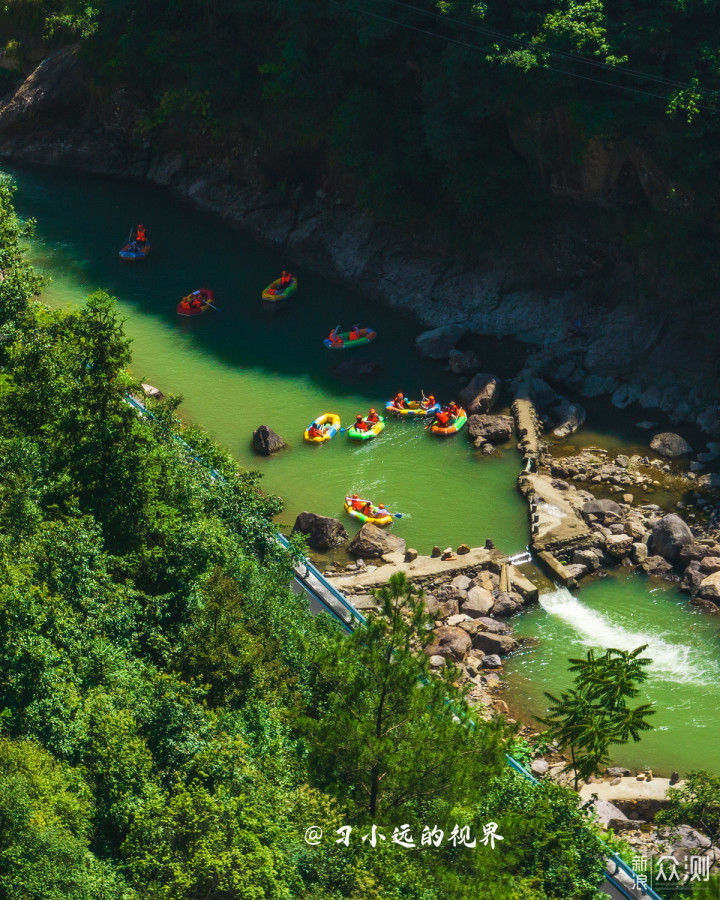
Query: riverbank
x=619 y=352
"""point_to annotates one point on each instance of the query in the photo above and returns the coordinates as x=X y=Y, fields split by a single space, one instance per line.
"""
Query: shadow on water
x=192 y=249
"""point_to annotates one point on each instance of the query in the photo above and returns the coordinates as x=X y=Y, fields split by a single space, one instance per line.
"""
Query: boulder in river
x=502 y=644
x=669 y=536
x=372 y=542
x=507 y=604
x=480 y=394
x=266 y=441
x=569 y=417
x=323 y=532
x=438 y=343
x=452 y=643
x=709 y=588
x=495 y=429
x=670 y=445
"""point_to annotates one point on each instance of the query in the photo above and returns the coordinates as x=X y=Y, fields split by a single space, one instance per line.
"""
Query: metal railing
x=621 y=876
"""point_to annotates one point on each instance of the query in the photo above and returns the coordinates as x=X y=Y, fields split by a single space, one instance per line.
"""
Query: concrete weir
x=555 y=523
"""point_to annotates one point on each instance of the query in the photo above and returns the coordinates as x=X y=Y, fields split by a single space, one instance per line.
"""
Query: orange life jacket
x=141 y=234
x=399 y=402
x=373 y=417
x=442 y=417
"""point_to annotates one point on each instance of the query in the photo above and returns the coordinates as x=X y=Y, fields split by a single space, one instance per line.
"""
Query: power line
x=562 y=53
x=468 y=46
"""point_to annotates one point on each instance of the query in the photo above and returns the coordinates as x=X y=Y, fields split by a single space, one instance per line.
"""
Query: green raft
x=368 y=435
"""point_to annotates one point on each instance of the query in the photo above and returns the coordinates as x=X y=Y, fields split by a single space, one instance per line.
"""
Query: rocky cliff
x=620 y=347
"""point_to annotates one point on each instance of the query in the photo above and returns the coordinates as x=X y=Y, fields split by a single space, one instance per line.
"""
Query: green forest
x=478 y=123
x=172 y=718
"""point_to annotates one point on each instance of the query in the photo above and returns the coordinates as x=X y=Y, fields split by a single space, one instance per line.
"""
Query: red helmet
x=355 y=496
x=372 y=411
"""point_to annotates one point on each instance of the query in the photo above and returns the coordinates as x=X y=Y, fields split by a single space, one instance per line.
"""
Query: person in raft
x=453 y=409
x=381 y=511
x=356 y=332
x=316 y=430
x=356 y=502
x=195 y=302
x=372 y=417
x=400 y=402
x=367 y=510
x=360 y=424
x=285 y=280
x=334 y=337
x=428 y=402
x=442 y=418
x=141 y=237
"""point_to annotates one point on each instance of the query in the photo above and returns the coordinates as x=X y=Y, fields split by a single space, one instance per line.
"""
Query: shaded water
x=253 y=364
x=249 y=365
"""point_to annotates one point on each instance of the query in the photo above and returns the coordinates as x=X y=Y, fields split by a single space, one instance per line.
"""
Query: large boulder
x=569 y=417
x=669 y=536
x=266 y=441
x=507 y=604
x=709 y=588
x=323 y=532
x=452 y=643
x=495 y=429
x=478 y=602
x=489 y=643
x=601 y=508
x=372 y=542
x=480 y=394
x=670 y=445
x=656 y=565
x=438 y=343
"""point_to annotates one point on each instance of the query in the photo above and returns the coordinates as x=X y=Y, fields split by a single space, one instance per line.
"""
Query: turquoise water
x=625 y=611
x=250 y=364
x=253 y=363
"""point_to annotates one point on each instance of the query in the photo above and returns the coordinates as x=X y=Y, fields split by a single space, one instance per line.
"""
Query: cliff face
x=626 y=349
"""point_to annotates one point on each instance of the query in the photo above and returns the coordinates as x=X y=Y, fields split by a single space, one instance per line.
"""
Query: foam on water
x=671 y=661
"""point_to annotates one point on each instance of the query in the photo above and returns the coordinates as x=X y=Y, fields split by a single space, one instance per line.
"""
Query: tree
x=695 y=803
x=594 y=715
x=388 y=735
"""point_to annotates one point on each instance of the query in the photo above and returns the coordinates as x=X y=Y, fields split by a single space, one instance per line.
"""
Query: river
x=250 y=364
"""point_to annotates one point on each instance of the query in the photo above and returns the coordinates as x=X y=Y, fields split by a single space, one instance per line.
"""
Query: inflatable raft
x=383 y=521
x=332 y=423
x=366 y=336
x=451 y=429
x=273 y=292
x=196 y=303
x=133 y=251
x=372 y=432
x=414 y=408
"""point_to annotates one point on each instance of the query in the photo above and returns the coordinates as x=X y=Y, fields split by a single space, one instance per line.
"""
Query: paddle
x=216 y=308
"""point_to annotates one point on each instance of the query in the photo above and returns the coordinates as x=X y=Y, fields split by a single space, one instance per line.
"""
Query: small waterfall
x=671 y=662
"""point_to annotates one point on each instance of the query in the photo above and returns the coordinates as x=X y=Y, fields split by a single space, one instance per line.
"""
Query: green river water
x=249 y=365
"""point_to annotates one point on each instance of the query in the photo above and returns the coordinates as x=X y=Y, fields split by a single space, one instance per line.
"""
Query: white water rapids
x=671 y=661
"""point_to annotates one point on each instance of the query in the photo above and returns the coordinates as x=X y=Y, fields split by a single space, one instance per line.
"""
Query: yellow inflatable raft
x=329 y=423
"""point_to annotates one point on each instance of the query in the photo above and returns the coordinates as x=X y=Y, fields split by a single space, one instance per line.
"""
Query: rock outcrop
x=670 y=445
x=323 y=532
x=480 y=394
x=266 y=441
x=669 y=536
x=372 y=542
x=490 y=429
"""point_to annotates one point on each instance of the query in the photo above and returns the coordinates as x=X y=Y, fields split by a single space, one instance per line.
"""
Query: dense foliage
x=172 y=718
x=594 y=714
x=480 y=117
